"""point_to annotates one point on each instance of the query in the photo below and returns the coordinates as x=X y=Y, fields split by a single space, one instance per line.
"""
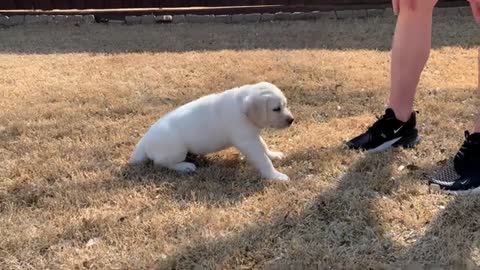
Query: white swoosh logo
x=395 y=131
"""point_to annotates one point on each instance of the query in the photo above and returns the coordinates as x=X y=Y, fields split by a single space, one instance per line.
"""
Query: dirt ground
x=75 y=100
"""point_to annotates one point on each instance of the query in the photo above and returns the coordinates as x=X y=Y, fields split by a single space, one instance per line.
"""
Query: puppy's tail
x=139 y=155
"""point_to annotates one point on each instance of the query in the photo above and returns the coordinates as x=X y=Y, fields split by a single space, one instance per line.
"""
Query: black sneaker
x=462 y=174
x=387 y=132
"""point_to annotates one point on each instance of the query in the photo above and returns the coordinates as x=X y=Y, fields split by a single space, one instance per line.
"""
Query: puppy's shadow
x=218 y=180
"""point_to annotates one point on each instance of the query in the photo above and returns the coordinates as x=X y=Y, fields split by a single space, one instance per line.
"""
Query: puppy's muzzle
x=290 y=121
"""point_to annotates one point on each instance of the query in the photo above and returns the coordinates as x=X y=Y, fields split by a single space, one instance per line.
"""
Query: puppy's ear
x=255 y=108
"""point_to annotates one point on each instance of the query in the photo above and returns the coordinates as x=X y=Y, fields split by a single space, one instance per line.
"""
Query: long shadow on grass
x=336 y=229
x=342 y=229
x=373 y=33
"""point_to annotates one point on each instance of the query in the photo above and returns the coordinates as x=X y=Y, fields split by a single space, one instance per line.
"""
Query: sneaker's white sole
x=389 y=144
x=437 y=188
x=442 y=183
x=385 y=146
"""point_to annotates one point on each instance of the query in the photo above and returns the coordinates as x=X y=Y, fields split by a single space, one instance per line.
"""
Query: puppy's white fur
x=216 y=122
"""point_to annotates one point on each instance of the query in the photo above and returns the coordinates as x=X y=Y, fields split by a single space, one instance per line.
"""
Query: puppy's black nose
x=290 y=120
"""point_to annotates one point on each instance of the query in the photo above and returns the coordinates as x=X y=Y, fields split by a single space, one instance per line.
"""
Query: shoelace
x=466 y=147
x=380 y=122
x=464 y=158
x=381 y=119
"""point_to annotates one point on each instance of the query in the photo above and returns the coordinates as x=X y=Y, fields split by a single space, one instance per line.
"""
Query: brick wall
x=104 y=4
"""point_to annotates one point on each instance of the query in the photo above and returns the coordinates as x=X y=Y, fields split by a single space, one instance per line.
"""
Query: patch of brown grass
x=69 y=121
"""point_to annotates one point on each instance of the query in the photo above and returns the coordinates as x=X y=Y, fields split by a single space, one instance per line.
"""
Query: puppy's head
x=266 y=107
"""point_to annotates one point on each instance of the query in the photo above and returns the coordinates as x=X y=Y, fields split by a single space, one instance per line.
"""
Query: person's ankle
x=402 y=115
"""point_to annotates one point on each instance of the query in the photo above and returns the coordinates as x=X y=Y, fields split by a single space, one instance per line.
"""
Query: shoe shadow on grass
x=347 y=227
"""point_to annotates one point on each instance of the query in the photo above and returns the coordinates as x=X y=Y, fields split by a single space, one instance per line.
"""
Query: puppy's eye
x=277 y=109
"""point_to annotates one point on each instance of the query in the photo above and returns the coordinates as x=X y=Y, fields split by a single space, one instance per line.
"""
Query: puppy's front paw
x=275 y=155
x=278 y=176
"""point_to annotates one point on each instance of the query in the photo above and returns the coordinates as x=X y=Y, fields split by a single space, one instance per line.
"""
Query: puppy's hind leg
x=166 y=150
x=175 y=161
x=183 y=167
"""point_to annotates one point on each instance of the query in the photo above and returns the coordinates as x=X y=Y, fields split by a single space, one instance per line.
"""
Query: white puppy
x=216 y=122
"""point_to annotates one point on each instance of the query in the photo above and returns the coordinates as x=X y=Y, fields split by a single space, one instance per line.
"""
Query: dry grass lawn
x=75 y=100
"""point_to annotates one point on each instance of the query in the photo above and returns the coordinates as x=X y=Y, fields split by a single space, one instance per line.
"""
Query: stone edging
x=46 y=19
x=6 y=21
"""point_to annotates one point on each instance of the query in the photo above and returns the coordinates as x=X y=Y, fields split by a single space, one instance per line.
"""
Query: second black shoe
x=387 y=132
x=462 y=174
